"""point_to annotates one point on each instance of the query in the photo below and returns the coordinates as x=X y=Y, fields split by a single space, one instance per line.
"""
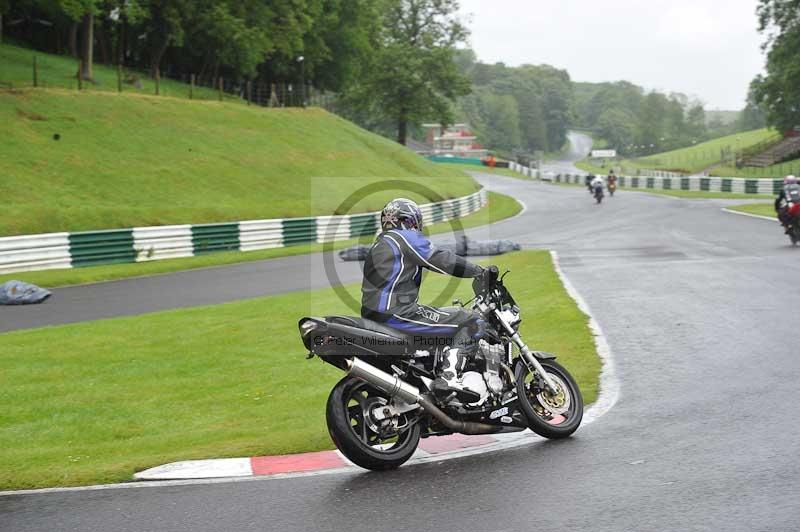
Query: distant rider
x=392 y=279
x=789 y=194
x=597 y=182
x=588 y=182
x=612 y=179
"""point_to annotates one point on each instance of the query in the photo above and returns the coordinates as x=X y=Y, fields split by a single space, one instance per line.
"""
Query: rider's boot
x=449 y=380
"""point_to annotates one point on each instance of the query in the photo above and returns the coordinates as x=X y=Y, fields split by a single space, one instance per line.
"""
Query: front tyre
x=366 y=442
x=552 y=416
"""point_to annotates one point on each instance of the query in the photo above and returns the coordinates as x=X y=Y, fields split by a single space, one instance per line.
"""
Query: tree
x=339 y=41
x=83 y=12
x=753 y=115
x=616 y=126
x=5 y=5
x=650 y=127
x=696 y=121
x=779 y=90
x=411 y=76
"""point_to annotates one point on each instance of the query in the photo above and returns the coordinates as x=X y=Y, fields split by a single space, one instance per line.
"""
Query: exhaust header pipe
x=395 y=387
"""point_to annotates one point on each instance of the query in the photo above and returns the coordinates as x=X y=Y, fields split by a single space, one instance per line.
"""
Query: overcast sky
x=704 y=48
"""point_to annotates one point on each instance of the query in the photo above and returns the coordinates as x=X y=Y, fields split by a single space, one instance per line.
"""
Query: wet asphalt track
x=696 y=305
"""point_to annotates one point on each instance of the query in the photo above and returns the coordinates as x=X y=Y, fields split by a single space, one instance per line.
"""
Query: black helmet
x=401 y=213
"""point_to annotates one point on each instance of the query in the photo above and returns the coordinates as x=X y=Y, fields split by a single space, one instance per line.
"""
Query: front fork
x=527 y=355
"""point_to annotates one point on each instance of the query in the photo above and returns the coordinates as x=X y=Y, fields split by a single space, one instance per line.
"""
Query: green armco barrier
x=299 y=231
x=94 y=248
x=363 y=225
x=685 y=183
x=458 y=160
x=209 y=238
x=438 y=213
x=91 y=248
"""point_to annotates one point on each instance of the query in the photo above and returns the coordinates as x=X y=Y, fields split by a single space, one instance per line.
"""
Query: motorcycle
x=612 y=187
x=598 y=193
x=378 y=412
x=793 y=222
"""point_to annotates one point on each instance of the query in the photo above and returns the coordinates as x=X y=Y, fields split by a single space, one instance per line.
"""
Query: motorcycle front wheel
x=365 y=441
x=550 y=415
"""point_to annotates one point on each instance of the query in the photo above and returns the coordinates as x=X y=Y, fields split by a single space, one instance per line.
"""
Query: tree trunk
x=402 y=129
x=158 y=56
x=121 y=42
x=103 y=41
x=87 y=52
x=73 y=40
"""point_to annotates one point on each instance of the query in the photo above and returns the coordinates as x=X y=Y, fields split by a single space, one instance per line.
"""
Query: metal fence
x=121 y=79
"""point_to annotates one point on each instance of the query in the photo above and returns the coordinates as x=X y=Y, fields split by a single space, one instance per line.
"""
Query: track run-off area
x=697 y=306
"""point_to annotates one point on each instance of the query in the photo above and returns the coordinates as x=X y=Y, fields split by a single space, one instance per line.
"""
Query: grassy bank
x=95 y=402
x=691 y=159
x=763 y=209
x=59 y=71
x=499 y=207
x=127 y=161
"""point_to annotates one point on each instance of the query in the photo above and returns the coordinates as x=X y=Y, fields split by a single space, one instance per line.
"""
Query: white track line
x=609 y=384
x=740 y=213
x=608 y=396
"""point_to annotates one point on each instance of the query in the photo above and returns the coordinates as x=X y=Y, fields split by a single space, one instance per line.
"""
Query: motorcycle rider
x=790 y=193
x=588 y=182
x=596 y=183
x=392 y=279
x=611 y=179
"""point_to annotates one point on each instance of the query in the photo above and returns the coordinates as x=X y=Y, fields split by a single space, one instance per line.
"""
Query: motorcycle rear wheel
x=550 y=416
x=357 y=435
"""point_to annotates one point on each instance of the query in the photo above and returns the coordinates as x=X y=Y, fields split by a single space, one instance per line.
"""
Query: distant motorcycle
x=612 y=186
x=598 y=193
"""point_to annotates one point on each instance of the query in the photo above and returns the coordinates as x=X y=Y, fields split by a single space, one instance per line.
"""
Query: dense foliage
x=396 y=64
x=410 y=76
x=779 y=90
x=237 y=39
x=527 y=108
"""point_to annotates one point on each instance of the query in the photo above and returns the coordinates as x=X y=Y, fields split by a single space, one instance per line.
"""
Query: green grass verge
x=128 y=161
x=58 y=71
x=763 y=209
x=97 y=401
x=586 y=166
x=499 y=207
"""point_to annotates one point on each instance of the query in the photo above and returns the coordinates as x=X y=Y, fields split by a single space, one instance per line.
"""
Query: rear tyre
x=552 y=416
x=361 y=438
